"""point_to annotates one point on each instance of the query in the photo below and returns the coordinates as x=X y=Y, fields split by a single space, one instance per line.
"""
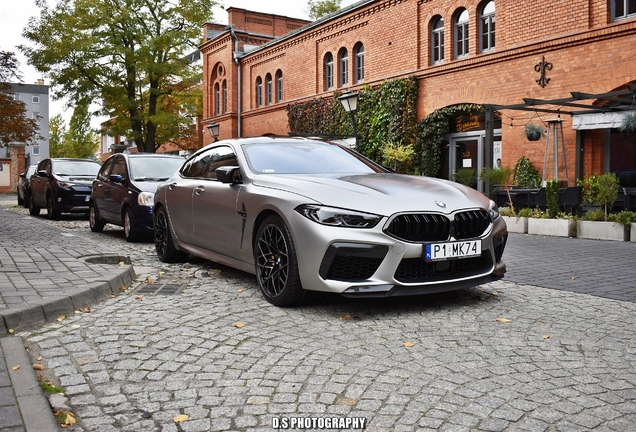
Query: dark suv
x=123 y=192
x=61 y=186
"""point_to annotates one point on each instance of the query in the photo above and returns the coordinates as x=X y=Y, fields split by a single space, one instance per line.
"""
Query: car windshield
x=154 y=169
x=305 y=158
x=76 y=168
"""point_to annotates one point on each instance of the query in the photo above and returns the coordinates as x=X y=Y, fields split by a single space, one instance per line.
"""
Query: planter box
x=603 y=230
x=633 y=231
x=552 y=227
x=516 y=225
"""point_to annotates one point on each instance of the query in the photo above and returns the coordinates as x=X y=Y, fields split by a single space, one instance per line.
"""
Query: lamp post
x=349 y=101
x=214 y=130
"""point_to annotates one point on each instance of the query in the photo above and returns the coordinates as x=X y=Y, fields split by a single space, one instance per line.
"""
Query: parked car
x=23 y=185
x=61 y=186
x=309 y=215
x=123 y=192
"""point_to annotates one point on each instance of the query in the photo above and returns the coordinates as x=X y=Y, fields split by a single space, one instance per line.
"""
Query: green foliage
x=320 y=8
x=127 y=55
x=600 y=189
x=552 y=198
x=628 y=125
x=594 y=215
x=430 y=135
x=534 y=132
x=57 y=132
x=76 y=141
x=525 y=174
x=397 y=157
x=466 y=176
x=625 y=217
x=499 y=178
x=525 y=212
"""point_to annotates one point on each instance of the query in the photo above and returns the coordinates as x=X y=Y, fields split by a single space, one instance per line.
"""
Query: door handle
x=199 y=190
x=171 y=186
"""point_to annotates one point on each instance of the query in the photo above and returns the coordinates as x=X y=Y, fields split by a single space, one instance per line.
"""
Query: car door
x=216 y=221
x=117 y=190
x=100 y=191
x=39 y=182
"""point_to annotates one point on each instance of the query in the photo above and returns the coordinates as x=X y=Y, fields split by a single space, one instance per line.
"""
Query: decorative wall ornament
x=542 y=67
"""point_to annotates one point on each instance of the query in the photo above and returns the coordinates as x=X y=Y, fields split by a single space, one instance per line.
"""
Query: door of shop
x=467 y=153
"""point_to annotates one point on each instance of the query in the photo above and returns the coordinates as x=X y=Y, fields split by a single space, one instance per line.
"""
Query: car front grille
x=417 y=270
x=430 y=227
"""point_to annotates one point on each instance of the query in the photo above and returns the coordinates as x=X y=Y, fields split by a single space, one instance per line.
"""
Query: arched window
x=622 y=9
x=269 y=89
x=217 y=99
x=461 y=33
x=487 y=27
x=358 y=50
x=259 y=92
x=224 y=96
x=328 y=71
x=343 y=67
x=437 y=39
x=279 y=85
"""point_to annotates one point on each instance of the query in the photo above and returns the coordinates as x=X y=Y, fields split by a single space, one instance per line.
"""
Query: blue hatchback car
x=123 y=192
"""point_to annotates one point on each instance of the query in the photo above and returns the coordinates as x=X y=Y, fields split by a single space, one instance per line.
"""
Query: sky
x=15 y=14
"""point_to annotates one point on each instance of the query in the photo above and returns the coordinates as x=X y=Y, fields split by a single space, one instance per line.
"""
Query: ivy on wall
x=386 y=117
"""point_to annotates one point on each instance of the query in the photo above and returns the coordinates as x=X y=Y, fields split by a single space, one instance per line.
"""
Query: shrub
x=624 y=217
x=466 y=176
x=525 y=174
x=600 y=189
x=552 y=198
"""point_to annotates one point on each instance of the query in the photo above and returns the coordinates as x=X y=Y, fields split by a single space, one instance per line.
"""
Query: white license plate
x=453 y=250
x=87 y=197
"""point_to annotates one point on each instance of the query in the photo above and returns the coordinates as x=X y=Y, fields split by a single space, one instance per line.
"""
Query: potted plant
x=499 y=178
x=628 y=125
x=525 y=174
x=601 y=190
x=534 y=132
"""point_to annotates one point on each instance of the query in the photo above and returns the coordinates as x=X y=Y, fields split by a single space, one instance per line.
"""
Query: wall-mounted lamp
x=349 y=101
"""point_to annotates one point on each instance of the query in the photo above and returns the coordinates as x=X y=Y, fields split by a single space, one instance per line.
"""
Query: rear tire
x=33 y=209
x=96 y=223
x=276 y=264
x=130 y=233
x=164 y=245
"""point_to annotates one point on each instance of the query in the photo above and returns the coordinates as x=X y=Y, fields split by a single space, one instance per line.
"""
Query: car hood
x=378 y=193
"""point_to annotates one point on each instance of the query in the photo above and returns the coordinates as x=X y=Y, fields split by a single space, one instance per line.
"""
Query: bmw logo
x=440 y=204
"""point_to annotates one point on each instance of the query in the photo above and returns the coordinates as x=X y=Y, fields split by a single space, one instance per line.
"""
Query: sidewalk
x=44 y=273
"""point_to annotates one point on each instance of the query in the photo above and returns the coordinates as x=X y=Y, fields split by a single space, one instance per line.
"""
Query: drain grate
x=163 y=289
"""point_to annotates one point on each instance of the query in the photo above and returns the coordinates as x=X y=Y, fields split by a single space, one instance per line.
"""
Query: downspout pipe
x=235 y=56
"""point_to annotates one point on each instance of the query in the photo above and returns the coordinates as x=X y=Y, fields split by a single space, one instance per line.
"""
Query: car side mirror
x=116 y=178
x=228 y=174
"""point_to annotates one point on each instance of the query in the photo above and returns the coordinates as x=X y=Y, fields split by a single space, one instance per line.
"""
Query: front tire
x=51 y=212
x=96 y=223
x=276 y=264
x=20 y=200
x=164 y=245
x=33 y=209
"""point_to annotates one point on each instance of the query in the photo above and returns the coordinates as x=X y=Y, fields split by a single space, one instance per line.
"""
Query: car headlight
x=146 y=199
x=66 y=185
x=493 y=210
x=338 y=217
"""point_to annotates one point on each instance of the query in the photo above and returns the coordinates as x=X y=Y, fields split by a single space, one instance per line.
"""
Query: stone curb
x=49 y=309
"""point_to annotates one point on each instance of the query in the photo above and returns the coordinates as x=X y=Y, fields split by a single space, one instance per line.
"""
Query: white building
x=36 y=100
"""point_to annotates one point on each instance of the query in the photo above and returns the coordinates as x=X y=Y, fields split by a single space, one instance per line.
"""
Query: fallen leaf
x=148 y=280
x=345 y=317
x=40 y=376
x=180 y=418
x=121 y=263
x=112 y=295
x=123 y=288
x=503 y=320
x=239 y=324
x=16 y=367
x=495 y=293
x=546 y=336
x=70 y=419
x=39 y=358
x=62 y=318
x=77 y=312
x=87 y=310
x=11 y=331
x=408 y=344
x=38 y=366
x=573 y=277
x=346 y=401
x=239 y=291
x=139 y=298
x=76 y=326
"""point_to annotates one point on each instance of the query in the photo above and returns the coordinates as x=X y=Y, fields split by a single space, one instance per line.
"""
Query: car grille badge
x=440 y=204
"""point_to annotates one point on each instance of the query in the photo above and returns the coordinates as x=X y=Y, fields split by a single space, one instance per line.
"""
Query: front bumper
x=370 y=263
x=72 y=200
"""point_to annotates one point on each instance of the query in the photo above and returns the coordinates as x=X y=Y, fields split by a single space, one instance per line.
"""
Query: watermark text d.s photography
x=319 y=422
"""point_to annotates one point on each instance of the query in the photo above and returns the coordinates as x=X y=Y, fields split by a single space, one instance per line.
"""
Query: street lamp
x=214 y=130
x=349 y=101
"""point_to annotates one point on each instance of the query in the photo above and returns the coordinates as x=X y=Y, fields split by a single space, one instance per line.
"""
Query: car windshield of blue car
x=154 y=169
x=305 y=158
x=76 y=168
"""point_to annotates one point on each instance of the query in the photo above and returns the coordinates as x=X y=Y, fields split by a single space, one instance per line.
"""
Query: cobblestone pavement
x=198 y=339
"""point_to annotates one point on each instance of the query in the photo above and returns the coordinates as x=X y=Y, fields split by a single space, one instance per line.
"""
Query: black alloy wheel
x=276 y=265
x=51 y=212
x=33 y=209
x=164 y=246
x=96 y=223
x=129 y=226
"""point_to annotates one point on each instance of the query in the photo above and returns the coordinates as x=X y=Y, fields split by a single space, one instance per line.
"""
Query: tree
x=320 y=8
x=57 y=131
x=14 y=125
x=129 y=55
x=80 y=141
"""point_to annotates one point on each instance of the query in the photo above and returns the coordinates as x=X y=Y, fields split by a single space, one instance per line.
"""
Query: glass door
x=466 y=157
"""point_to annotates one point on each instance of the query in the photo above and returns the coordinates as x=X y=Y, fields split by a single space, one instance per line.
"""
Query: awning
x=607 y=120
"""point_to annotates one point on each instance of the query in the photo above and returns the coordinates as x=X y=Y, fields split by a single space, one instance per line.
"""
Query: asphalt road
x=533 y=352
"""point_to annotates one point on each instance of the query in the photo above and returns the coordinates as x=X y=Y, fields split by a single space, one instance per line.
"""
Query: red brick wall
x=588 y=54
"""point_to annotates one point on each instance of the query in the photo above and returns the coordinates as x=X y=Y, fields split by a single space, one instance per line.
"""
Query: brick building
x=545 y=51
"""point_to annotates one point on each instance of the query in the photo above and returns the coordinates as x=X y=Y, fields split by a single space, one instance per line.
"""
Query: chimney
x=40 y=81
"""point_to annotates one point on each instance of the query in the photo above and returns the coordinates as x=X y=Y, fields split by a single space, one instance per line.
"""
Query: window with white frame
x=224 y=96
x=461 y=33
x=35 y=99
x=279 y=85
x=35 y=150
x=358 y=50
x=487 y=27
x=328 y=71
x=217 y=99
x=269 y=89
x=437 y=40
x=343 y=67
x=622 y=9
